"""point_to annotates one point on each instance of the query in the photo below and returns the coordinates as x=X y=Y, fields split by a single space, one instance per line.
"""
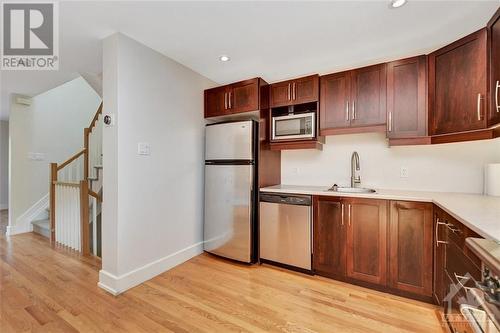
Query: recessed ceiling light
x=397 y=3
x=224 y=58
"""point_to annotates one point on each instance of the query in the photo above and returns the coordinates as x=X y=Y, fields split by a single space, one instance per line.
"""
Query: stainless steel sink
x=351 y=189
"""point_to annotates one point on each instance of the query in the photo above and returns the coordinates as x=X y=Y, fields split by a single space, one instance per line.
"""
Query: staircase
x=73 y=215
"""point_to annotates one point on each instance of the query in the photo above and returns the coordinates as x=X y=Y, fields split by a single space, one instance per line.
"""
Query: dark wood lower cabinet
x=381 y=244
x=367 y=240
x=440 y=236
x=329 y=237
x=410 y=247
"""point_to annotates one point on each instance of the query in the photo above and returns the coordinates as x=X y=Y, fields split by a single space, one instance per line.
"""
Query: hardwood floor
x=45 y=289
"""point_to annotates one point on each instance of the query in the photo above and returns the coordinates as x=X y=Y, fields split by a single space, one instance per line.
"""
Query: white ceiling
x=274 y=40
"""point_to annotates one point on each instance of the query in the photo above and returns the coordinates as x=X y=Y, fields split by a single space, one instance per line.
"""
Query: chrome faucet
x=355 y=167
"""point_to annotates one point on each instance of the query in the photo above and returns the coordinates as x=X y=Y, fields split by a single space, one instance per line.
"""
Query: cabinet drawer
x=459 y=265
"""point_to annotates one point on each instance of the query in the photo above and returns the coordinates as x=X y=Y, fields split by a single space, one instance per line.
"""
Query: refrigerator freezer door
x=228 y=206
x=229 y=141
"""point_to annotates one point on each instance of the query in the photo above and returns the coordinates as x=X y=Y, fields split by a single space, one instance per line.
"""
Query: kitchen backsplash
x=455 y=167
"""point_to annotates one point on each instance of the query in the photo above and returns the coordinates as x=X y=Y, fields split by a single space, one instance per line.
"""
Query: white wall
x=53 y=125
x=153 y=205
x=4 y=164
x=455 y=167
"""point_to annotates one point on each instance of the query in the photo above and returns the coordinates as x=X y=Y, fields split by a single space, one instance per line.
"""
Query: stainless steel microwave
x=294 y=126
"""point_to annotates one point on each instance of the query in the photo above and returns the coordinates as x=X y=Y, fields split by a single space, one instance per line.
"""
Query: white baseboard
x=23 y=222
x=116 y=285
x=18 y=229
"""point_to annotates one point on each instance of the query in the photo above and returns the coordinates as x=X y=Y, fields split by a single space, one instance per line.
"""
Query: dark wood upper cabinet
x=238 y=97
x=406 y=98
x=244 y=96
x=280 y=94
x=494 y=45
x=368 y=94
x=458 y=85
x=334 y=101
x=215 y=101
x=367 y=240
x=329 y=255
x=354 y=101
x=410 y=247
x=292 y=92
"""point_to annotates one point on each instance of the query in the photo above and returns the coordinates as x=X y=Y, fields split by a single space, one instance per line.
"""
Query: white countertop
x=478 y=212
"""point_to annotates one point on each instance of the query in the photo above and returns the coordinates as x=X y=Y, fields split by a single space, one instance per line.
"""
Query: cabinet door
x=216 y=103
x=244 y=96
x=368 y=94
x=406 y=98
x=494 y=32
x=440 y=237
x=458 y=85
x=280 y=94
x=334 y=103
x=329 y=237
x=305 y=90
x=410 y=247
x=367 y=240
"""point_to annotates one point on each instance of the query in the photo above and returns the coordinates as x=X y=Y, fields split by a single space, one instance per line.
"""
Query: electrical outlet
x=404 y=172
x=144 y=149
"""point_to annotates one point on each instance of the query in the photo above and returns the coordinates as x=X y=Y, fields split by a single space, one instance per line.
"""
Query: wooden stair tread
x=43 y=224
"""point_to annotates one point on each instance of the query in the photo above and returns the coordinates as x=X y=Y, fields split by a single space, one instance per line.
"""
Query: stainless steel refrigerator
x=231 y=190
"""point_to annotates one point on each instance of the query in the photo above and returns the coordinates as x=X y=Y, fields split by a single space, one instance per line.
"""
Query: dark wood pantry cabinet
x=407 y=98
x=458 y=86
x=293 y=92
x=410 y=247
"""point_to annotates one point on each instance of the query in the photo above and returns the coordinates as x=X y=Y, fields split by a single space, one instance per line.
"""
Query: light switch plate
x=144 y=149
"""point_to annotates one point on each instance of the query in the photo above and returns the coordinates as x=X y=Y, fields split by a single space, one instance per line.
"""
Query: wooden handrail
x=71 y=159
x=96 y=116
x=95 y=195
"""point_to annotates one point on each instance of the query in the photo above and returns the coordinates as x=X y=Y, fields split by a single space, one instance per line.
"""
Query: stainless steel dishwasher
x=285 y=230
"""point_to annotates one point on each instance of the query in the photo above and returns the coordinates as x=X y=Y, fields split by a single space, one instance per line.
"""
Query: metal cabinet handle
x=479 y=106
x=438 y=223
x=353 y=110
x=496 y=96
x=347 y=111
x=389 y=121
x=289 y=92
x=342 y=207
x=229 y=99
x=294 y=91
x=225 y=101
x=349 y=213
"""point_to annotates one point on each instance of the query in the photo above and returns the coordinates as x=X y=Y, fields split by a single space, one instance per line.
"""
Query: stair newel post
x=86 y=133
x=52 y=212
x=84 y=217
